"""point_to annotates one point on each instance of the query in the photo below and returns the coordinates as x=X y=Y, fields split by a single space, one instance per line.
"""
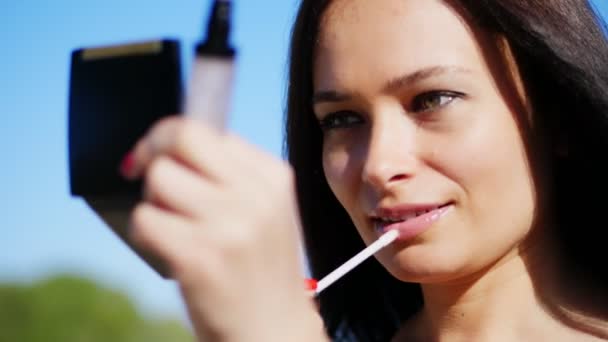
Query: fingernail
x=311 y=284
x=126 y=165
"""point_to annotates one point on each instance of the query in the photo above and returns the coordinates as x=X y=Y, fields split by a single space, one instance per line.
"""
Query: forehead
x=361 y=38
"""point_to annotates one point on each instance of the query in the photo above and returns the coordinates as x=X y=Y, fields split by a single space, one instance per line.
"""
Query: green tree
x=71 y=309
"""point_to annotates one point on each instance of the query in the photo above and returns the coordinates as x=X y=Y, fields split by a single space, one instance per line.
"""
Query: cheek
x=342 y=164
x=484 y=167
x=489 y=164
x=335 y=167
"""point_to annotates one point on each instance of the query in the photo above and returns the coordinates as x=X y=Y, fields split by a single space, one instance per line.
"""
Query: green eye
x=433 y=100
x=342 y=119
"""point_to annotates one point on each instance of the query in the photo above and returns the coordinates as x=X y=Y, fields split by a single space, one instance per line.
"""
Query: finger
x=171 y=185
x=143 y=152
x=194 y=144
x=249 y=157
x=163 y=234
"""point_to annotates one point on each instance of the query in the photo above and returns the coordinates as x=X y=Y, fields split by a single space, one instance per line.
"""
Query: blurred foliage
x=71 y=309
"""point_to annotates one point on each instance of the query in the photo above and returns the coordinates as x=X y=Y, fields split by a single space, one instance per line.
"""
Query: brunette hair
x=560 y=48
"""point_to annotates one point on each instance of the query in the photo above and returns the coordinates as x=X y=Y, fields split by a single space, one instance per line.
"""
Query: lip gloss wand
x=383 y=241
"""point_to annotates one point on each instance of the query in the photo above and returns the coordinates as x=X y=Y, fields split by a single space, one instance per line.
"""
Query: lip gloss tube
x=212 y=75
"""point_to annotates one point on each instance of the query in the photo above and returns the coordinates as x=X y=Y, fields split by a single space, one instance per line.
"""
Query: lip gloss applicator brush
x=383 y=241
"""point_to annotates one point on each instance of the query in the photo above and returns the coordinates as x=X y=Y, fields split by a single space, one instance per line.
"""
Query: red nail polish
x=126 y=165
x=311 y=284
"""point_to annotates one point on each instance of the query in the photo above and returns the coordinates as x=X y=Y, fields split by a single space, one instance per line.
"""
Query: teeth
x=410 y=215
x=407 y=216
x=378 y=226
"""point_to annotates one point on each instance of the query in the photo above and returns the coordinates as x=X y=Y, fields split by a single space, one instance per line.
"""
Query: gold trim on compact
x=143 y=48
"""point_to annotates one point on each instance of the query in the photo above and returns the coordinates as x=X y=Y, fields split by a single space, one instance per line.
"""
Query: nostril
x=397 y=177
x=381 y=181
x=380 y=175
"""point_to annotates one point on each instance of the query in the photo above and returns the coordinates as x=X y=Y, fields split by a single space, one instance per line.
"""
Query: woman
x=513 y=144
x=468 y=126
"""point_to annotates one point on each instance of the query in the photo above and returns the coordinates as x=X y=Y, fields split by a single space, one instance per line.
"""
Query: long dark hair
x=561 y=51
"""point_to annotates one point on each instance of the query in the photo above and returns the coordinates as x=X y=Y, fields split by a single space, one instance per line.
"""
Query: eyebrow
x=391 y=85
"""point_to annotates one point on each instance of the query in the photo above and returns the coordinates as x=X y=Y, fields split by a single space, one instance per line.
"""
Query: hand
x=223 y=217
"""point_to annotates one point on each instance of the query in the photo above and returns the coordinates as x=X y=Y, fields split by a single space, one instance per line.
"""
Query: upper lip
x=402 y=211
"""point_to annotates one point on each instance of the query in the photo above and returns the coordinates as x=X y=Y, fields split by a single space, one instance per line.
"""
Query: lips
x=409 y=220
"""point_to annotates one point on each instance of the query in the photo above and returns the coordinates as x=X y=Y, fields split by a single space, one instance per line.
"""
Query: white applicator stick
x=383 y=241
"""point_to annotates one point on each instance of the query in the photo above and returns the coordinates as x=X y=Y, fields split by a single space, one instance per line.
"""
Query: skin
x=233 y=252
x=456 y=132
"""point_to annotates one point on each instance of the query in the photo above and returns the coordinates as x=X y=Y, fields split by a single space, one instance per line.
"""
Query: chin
x=423 y=263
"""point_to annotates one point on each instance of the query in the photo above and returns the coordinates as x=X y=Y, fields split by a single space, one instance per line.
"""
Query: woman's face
x=421 y=135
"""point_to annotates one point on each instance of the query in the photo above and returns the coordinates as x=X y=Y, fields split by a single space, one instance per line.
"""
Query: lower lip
x=412 y=227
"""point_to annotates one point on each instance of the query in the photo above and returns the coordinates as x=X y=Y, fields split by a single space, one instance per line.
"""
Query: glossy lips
x=408 y=220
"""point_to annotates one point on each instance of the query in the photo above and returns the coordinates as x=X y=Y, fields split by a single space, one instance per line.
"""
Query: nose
x=390 y=156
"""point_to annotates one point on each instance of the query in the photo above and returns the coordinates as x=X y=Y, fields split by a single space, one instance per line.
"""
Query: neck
x=483 y=304
x=500 y=302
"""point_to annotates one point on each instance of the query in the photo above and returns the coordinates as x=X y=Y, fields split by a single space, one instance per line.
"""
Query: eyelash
x=436 y=94
x=340 y=119
x=349 y=118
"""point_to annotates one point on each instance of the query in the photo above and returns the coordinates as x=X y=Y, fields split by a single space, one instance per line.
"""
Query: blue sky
x=44 y=230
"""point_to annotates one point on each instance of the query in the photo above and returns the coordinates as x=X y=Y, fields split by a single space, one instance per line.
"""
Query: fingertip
x=127 y=165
